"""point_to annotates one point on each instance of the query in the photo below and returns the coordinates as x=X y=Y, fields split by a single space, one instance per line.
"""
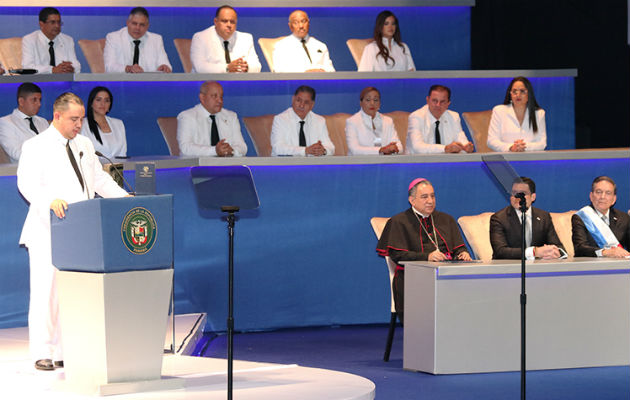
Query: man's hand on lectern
x=59 y=207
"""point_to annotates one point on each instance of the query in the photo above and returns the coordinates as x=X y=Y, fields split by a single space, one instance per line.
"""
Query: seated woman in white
x=106 y=133
x=519 y=123
x=370 y=132
x=387 y=52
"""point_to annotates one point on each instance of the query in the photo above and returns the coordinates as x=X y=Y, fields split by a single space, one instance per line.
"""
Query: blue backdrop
x=438 y=37
x=307 y=257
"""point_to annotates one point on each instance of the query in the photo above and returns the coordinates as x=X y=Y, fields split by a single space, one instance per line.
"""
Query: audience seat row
x=11 y=51
x=259 y=130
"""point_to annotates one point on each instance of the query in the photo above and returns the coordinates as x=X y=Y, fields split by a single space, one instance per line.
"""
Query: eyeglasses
x=517 y=91
x=525 y=193
x=606 y=193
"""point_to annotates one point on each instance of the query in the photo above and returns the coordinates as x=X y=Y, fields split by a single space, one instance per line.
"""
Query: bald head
x=211 y=96
x=299 y=23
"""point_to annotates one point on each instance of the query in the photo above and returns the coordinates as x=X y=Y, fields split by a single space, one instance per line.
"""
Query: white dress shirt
x=114 y=142
x=421 y=131
x=401 y=54
x=35 y=52
x=289 y=55
x=15 y=129
x=364 y=138
x=207 y=52
x=194 y=132
x=119 y=48
x=285 y=134
x=529 y=250
x=505 y=129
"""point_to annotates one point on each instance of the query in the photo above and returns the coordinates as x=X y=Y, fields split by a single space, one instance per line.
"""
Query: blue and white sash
x=596 y=226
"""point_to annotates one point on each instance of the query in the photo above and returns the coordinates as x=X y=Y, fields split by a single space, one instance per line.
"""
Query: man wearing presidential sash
x=598 y=229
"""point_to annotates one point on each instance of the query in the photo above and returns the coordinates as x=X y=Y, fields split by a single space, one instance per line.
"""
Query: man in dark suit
x=506 y=231
x=614 y=230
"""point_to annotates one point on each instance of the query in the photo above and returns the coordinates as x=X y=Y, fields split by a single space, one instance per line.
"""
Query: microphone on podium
x=83 y=175
x=131 y=190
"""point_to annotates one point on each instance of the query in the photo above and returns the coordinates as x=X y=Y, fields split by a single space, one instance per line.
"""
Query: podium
x=114 y=258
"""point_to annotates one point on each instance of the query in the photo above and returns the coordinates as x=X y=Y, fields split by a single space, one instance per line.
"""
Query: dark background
x=583 y=34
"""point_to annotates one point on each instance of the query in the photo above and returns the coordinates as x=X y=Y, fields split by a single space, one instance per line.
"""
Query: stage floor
x=203 y=378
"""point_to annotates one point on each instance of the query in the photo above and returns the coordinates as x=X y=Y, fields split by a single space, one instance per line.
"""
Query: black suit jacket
x=584 y=243
x=506 y=232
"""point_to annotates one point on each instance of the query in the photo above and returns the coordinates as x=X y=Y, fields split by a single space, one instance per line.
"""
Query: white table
x=465 y=318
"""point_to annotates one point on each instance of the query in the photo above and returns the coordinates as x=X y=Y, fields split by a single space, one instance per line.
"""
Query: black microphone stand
x=230 y=320
x=523 y=208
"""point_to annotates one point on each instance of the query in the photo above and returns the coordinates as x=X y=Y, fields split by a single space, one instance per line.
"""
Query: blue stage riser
x=306 y=257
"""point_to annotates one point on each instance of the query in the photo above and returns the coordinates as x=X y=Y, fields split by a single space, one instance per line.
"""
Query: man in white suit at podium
x=58 y=167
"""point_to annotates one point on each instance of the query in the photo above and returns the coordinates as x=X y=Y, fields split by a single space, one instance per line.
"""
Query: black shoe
x=44 y=365
x=58 y=364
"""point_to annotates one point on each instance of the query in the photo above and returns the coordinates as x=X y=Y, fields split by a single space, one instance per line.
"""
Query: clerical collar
x=419 y=213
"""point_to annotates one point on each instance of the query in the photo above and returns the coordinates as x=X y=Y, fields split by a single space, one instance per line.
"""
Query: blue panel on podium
x=114 y=235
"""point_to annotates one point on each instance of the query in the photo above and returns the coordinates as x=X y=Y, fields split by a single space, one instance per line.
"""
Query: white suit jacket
x=421 y=131
x=289 y=55
x=15 y=130
x=360 y=136
x=45 y=174
x=208 y=54
x=119 y=49
x=285 y=134
x=35 y=52
x=194 y=129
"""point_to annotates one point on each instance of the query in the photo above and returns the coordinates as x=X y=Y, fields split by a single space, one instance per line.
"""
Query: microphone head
x=80 y=154
x=98 y=153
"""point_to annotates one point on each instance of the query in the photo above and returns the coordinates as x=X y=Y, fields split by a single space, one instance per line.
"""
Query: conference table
x=465 y=317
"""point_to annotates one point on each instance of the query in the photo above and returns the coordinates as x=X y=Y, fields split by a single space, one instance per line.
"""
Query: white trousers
x=43 y=327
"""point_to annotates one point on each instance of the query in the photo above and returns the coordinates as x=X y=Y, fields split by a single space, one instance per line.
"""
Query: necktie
x=528 y=231
x=51 y=51
x=136 y=52
x=306 y=50
x=33 y=128
x=437 y=133
x=605 y=219
x=214 y=132
x=302 y=136
x=74 y=163
x=227 y=52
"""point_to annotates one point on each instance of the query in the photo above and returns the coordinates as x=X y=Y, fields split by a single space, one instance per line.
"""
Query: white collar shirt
x=15 y=129
x=35 y=52
x=285 y=134
x=194 y=132
x=207 y=51
x=421 y=131
x=119 y=50
x=289 y=55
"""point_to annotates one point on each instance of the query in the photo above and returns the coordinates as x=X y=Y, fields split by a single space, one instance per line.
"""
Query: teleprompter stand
x=506 y=176
x=228 y=189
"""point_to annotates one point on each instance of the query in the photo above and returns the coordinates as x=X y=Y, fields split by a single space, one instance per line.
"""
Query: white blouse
x=114 y=142
x=505 y=129
x=401 y=54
